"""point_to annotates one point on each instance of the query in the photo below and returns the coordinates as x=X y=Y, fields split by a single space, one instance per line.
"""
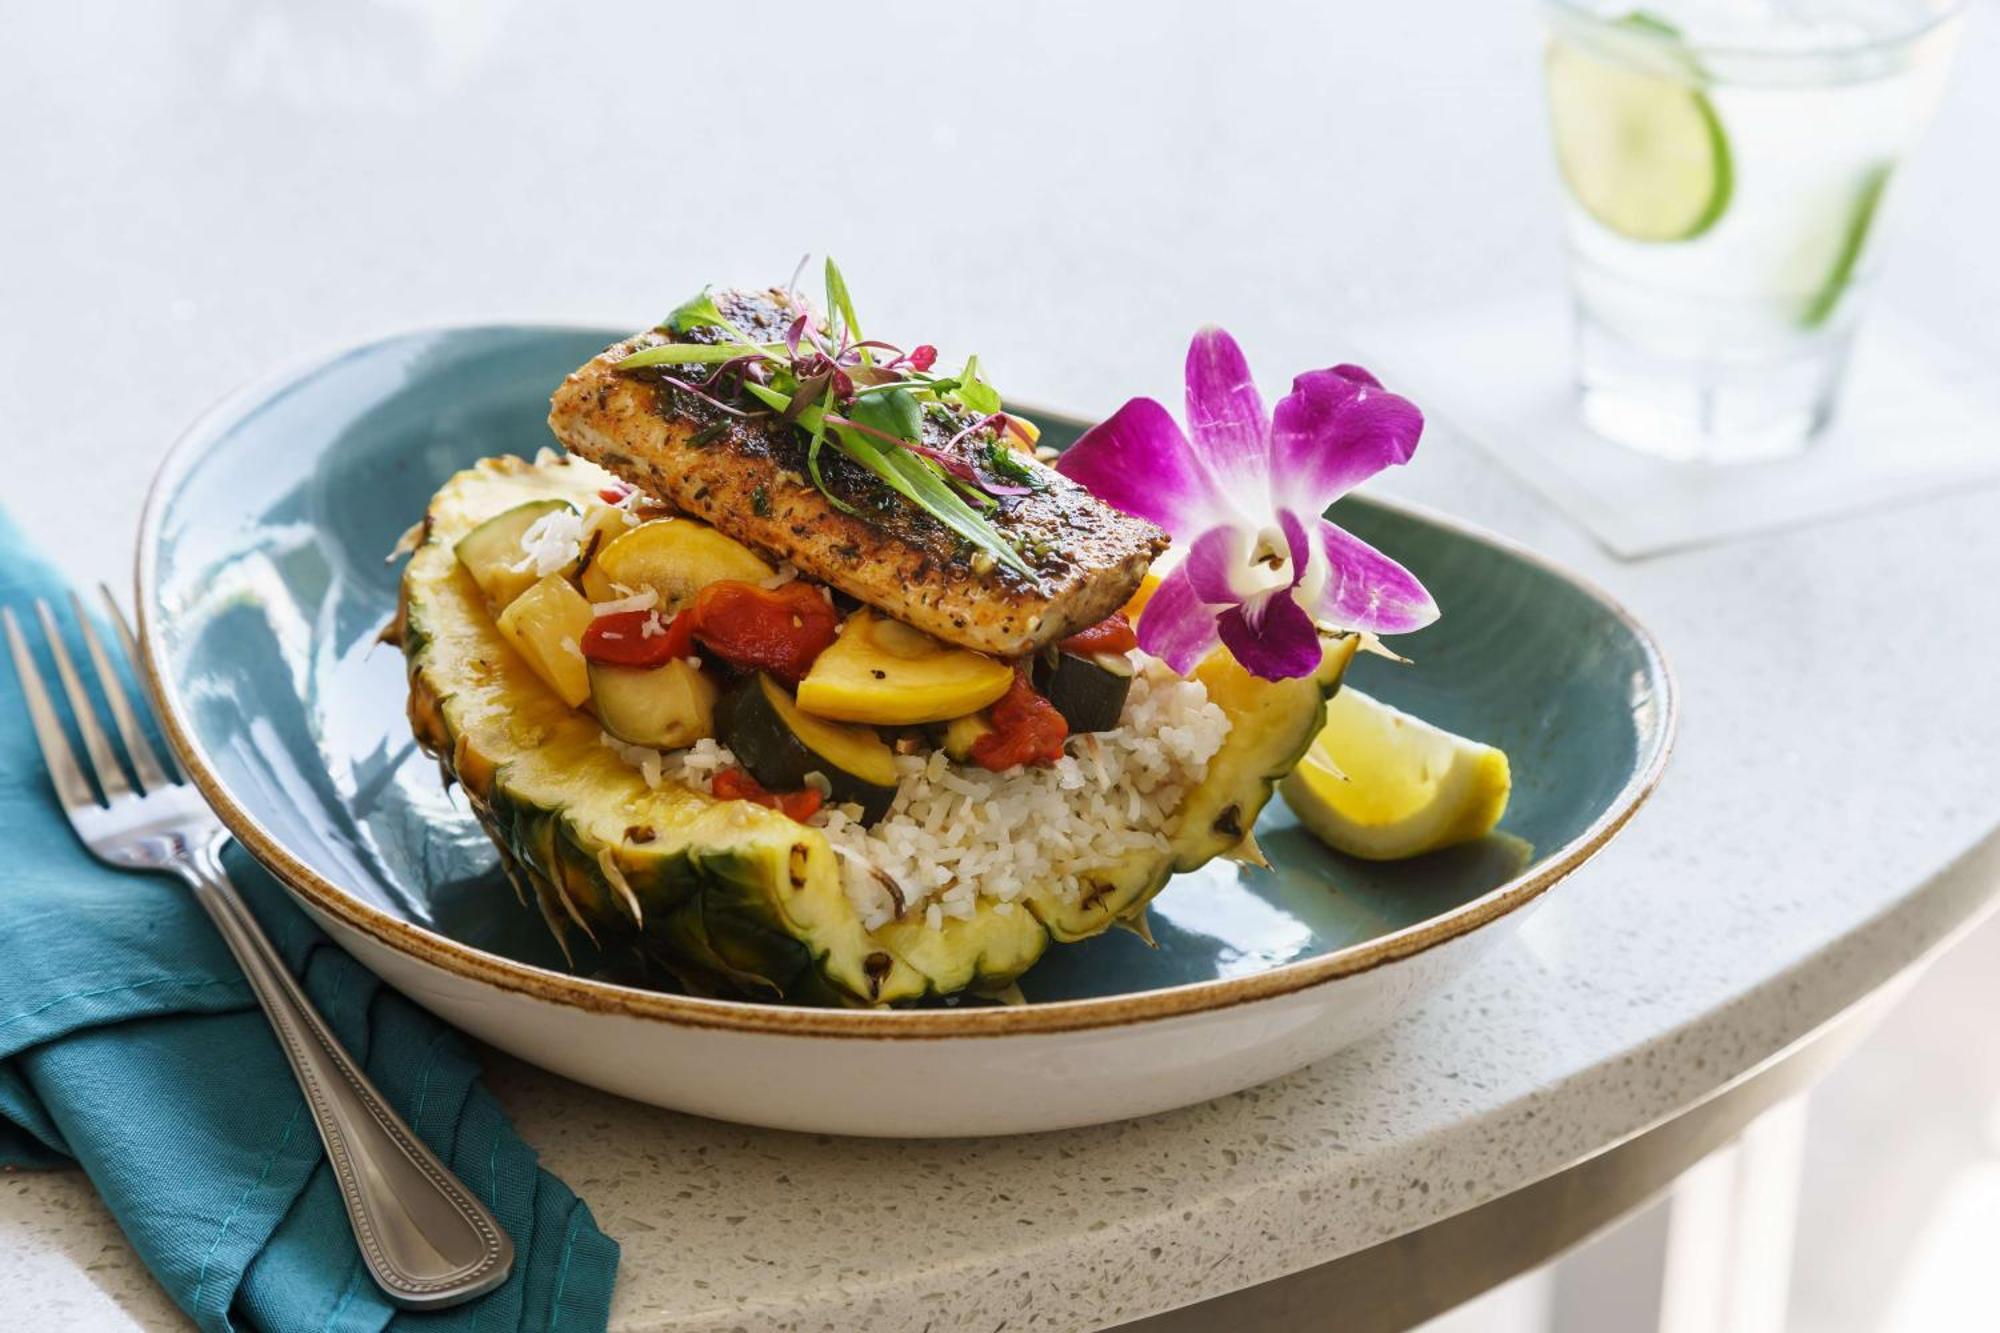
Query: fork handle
x=426 y=1240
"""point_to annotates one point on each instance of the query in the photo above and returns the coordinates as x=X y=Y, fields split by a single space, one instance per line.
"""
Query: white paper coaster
x=1916 y=420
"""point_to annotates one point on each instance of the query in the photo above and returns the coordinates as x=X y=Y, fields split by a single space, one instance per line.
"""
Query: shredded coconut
x=643 y=600
x=551 y=543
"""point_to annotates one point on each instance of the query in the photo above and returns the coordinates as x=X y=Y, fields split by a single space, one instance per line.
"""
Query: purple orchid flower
x=1242 y=499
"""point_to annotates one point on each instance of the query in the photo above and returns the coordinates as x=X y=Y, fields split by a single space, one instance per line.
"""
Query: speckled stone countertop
x=223 y=186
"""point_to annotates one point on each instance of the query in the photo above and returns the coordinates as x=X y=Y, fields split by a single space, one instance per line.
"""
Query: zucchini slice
x=1087 y=689
x=886 y=674
x=668 y=707
x=490 y=551
x=676 y=557
x=962 y=733
x=780 y=745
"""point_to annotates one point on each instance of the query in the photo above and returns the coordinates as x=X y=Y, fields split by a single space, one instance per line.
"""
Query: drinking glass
x=1730 y=167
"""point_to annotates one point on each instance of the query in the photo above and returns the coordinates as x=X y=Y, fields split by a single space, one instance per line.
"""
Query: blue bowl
x=265 y=583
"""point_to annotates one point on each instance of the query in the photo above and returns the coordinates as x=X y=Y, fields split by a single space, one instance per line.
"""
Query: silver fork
x=425 y=1239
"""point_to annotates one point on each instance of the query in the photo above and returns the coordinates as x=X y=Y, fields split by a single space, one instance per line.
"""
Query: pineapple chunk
x=545 y=625
x=602 y=525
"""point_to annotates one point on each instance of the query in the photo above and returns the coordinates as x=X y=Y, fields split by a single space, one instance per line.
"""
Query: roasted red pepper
x=1113 y=634
x=779 y=630
x=680 y=636
x=733 y=784
x=620 y=639
x=1027 y=729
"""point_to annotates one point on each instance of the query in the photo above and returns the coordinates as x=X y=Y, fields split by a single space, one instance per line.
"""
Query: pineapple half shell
x=726 y=897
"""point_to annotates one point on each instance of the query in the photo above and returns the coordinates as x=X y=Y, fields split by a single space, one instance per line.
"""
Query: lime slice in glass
x=1853 y=240
x=1641 y=148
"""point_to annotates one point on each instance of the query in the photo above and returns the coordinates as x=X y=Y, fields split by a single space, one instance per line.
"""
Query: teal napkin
x=130 y=1046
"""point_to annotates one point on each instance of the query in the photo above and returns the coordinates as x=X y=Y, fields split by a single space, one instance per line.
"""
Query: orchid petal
x=1177 y=626
x=1298 y=543
x=1365 y=589
x=1225 y=413
x=1252 y=610
x=1214 y=562
x=1272 y=636
x=1137 y=460
x=1309 y=574
x=1336 y=429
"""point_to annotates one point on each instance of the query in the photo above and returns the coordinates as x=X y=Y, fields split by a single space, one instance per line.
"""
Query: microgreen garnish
x=976 y=393
x=841 y=304
x=813 y=446
x=695 y=354
x=865 y=398
x=1003 y=460
x=911 y=477
x=893 y=413
x=694 y=313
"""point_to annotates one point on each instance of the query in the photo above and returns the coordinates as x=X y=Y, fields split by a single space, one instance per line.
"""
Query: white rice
x=956 y=834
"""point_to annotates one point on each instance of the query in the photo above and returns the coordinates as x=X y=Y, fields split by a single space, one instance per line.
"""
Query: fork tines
x=72 y=787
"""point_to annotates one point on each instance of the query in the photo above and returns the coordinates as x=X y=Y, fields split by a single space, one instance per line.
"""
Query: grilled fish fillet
x=749 y=479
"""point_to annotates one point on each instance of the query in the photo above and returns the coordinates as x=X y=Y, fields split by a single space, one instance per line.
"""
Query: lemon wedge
x=1380 y=784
